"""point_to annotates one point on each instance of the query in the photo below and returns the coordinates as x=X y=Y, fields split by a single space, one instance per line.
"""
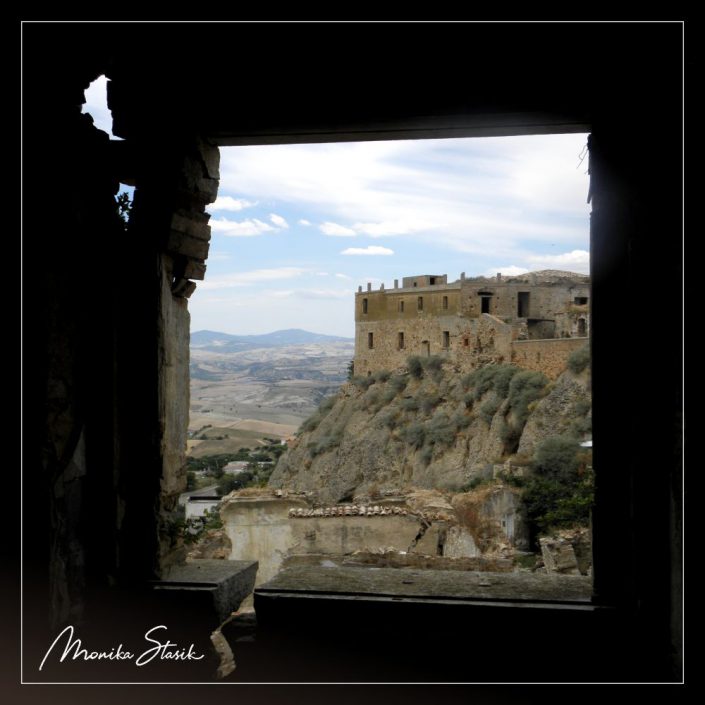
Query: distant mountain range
x=224 y=342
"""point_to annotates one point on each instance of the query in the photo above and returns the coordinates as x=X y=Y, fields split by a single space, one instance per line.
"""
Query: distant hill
x=224 y=342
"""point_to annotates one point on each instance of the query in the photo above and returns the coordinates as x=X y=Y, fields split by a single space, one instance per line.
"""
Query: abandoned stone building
x=532 y=320
x=105 y=339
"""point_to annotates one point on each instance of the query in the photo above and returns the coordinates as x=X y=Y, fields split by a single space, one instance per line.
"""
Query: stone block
x=183 y=288
x=181 y=244
x=559 y=556
x=190 y=226
x=215 y=587
x=211 y=159
x=195 y=270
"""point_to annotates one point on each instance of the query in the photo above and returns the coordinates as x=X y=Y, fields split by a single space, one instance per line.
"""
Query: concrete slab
x=333 y=580
x=209 y=585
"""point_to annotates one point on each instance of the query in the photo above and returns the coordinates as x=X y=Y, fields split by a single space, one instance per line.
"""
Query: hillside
x=242 y=386
x=435 y=426
x=225 y=342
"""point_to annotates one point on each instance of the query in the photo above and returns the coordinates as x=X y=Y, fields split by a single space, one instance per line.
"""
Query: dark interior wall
x=94 y=458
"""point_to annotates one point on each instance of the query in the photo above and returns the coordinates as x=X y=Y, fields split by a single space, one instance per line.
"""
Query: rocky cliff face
x=433 y=426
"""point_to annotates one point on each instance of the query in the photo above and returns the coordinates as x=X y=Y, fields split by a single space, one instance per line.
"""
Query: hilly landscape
x=245 y=388
x=434 y=426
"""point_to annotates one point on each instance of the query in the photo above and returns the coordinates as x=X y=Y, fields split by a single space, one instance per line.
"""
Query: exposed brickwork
x=547 y=356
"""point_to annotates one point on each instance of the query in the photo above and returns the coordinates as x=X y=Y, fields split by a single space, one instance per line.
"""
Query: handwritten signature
x=161 y=650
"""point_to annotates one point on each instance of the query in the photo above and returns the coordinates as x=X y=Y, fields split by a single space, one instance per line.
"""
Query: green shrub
x=311 y=423
x=212 y=519
x=388 y=418
x=461 y=420
x=491 y=377
x=415 y=365
x=324 y=444
x=363 y=382
x=398 y=383
x=434 y=366
x=510 y=434
x=428 y=400
x=526 y=561
x=388 y=395
x=372 y=399
x=427 y=455
x=381 y=376
x=581 y=407
x=525 y=387
x=414 y=434
x=410 y=404
x=560 y=492
x=489 y=408
x=579 y=360
x=440 y=430
x=581 y=427
x=557 y=458
x=474 y=483
x=515 y=480
x=327 y=404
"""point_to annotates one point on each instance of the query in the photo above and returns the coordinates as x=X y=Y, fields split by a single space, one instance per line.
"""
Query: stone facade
x=473 y=321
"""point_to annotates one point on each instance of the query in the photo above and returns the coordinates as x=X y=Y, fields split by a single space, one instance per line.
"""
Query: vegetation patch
x=560 y=492
x=414 y=434
x=579 y=360
x=494 y=378
x=490 y=408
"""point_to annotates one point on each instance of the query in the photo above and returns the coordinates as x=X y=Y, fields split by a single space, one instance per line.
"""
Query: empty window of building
x=445 y=302
x=580 y=300
x=432 y=281
x=415 y=284
x=446 y=339
x=401 y=340
x=523 y=304
x=466 y=342
x=419 y=303
x=364 y=305
x=370 y=341
x=582 y=327
x=485 y=305
x=401 y=307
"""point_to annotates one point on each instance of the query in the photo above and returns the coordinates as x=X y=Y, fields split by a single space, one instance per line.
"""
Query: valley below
x=248 y=388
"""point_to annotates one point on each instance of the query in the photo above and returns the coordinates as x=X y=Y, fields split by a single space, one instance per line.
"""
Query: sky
x=297 y=228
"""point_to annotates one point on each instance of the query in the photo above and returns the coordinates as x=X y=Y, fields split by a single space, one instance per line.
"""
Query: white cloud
x=398 y=227
x=369 y=250
x=342 y=276
x=303 y=221
x=336 y=230
x=321 y=294
x=226 y=281
x=244 y=228
x=278 y=220
x=228 y=203
x=463 y=194
x=322 y=274
x=577 y=260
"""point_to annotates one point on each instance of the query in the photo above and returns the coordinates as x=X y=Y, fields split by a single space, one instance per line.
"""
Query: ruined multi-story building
x=533 y=320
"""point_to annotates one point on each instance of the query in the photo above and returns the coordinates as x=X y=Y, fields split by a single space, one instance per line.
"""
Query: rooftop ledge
x=408 y=585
